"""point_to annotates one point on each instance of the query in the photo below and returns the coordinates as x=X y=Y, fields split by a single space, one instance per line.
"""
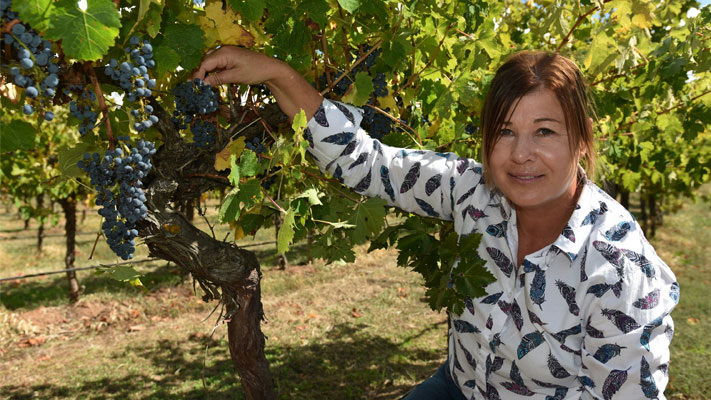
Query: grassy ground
x=334 y=331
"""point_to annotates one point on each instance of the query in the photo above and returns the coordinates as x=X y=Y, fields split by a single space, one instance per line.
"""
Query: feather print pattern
x=649 y=387
x=492 y=298
x=583 y=275
x=555 y=368
x=338 y=173
x=592 y=331
x=427 y=208
x=622 y=321
x=568 y=233
x=433 y=184
x=649 y=301
x=410 y=178
x=364 y=183
x=613 y=383
x=612 y=254
x=341 y=139
x=491 y=392
x=669 y=332
x=378 y=148
x=607 y=351
x=320 y=117
x=497 y=230
x=586 y=381
x=563 y=335
x=512 y=310
x=568 y=294
x=674 y=292
x=466 y=195
x=534 y=318
x=362 y=157
x=560 y=393
x=309 y=137
x=387 y=186
x=489 y=322
x=350 y=148
x=517 y=386
x=618 y=231
x=641 y=261
x=647 y=331
x=470 y=305
x=473 y=212
x=529 y=342
x=345 y=111
x=465 y=327
x=594 y=214
x=538 y=288
x=495 y=342
x=500 y=260
x=462 y=164
x=467 y=355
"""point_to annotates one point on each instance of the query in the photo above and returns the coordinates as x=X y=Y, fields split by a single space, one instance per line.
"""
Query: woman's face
x=531 y=162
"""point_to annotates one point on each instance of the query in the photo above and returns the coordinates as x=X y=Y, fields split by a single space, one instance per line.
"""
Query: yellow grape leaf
x=256 y=29
x=226 y=24
x=212 y=37
x=239 y=232
x=222 y=159
x=642 y=14
x=388 y=102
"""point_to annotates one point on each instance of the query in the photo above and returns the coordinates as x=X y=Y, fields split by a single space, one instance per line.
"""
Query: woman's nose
x=522 y=149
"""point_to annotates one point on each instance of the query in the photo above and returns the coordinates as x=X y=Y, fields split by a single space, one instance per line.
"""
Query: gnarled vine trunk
x=69 y=206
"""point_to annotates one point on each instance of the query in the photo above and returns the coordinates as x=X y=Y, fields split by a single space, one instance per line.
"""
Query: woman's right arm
x=423 y=182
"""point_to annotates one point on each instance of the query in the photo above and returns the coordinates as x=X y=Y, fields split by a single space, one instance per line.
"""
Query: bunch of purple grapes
x=34 y=70
x=117 y=176
x=133 y=77
x=194 y=99
x=82 y=109
x=256 y=145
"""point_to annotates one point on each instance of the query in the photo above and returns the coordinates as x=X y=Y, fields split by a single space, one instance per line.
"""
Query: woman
x=581 y=302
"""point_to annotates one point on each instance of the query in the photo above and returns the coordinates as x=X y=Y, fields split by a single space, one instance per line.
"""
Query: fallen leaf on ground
x=355 y=313
x=692 y=321
x=37 y=341
x=136 y=328
x=45 y=357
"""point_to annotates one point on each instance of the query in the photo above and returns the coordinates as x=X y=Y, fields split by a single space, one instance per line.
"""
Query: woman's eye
x=506 y=132
x=545 y=131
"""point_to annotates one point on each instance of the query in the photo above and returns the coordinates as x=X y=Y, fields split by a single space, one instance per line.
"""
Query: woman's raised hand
x=232 y=64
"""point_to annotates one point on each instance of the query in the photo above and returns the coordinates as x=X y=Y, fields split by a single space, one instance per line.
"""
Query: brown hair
x=525 y=72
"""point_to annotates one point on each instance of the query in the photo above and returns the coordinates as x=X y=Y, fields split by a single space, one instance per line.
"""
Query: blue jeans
x=438 y=386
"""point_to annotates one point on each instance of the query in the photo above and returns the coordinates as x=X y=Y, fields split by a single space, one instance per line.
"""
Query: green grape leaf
x=250 y=223
x=166 y=59
x=85 y=35
x=250 y=193
x=123 y=273
x=35 y=13
x=317 y=10
x=368 y=218
x=249 y=163
x=349 y=5
x=17 y=135
x=69 y=156
x=187 y=40
x=234 y=175
x=333 y=248
x=363 y=88
x=229 y=211
x=312 y=195
x=252 y=10
x=286 y=232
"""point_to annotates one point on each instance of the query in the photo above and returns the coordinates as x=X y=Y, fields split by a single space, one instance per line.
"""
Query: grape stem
x=281 y=210
x=580 y=19
x=211 y=176
x=355 y=64
x=332 y=182
x=102 y=104
x=9 y=25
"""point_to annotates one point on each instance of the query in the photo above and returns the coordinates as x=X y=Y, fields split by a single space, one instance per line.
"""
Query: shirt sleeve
x=416 y=181
x=625 y=352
